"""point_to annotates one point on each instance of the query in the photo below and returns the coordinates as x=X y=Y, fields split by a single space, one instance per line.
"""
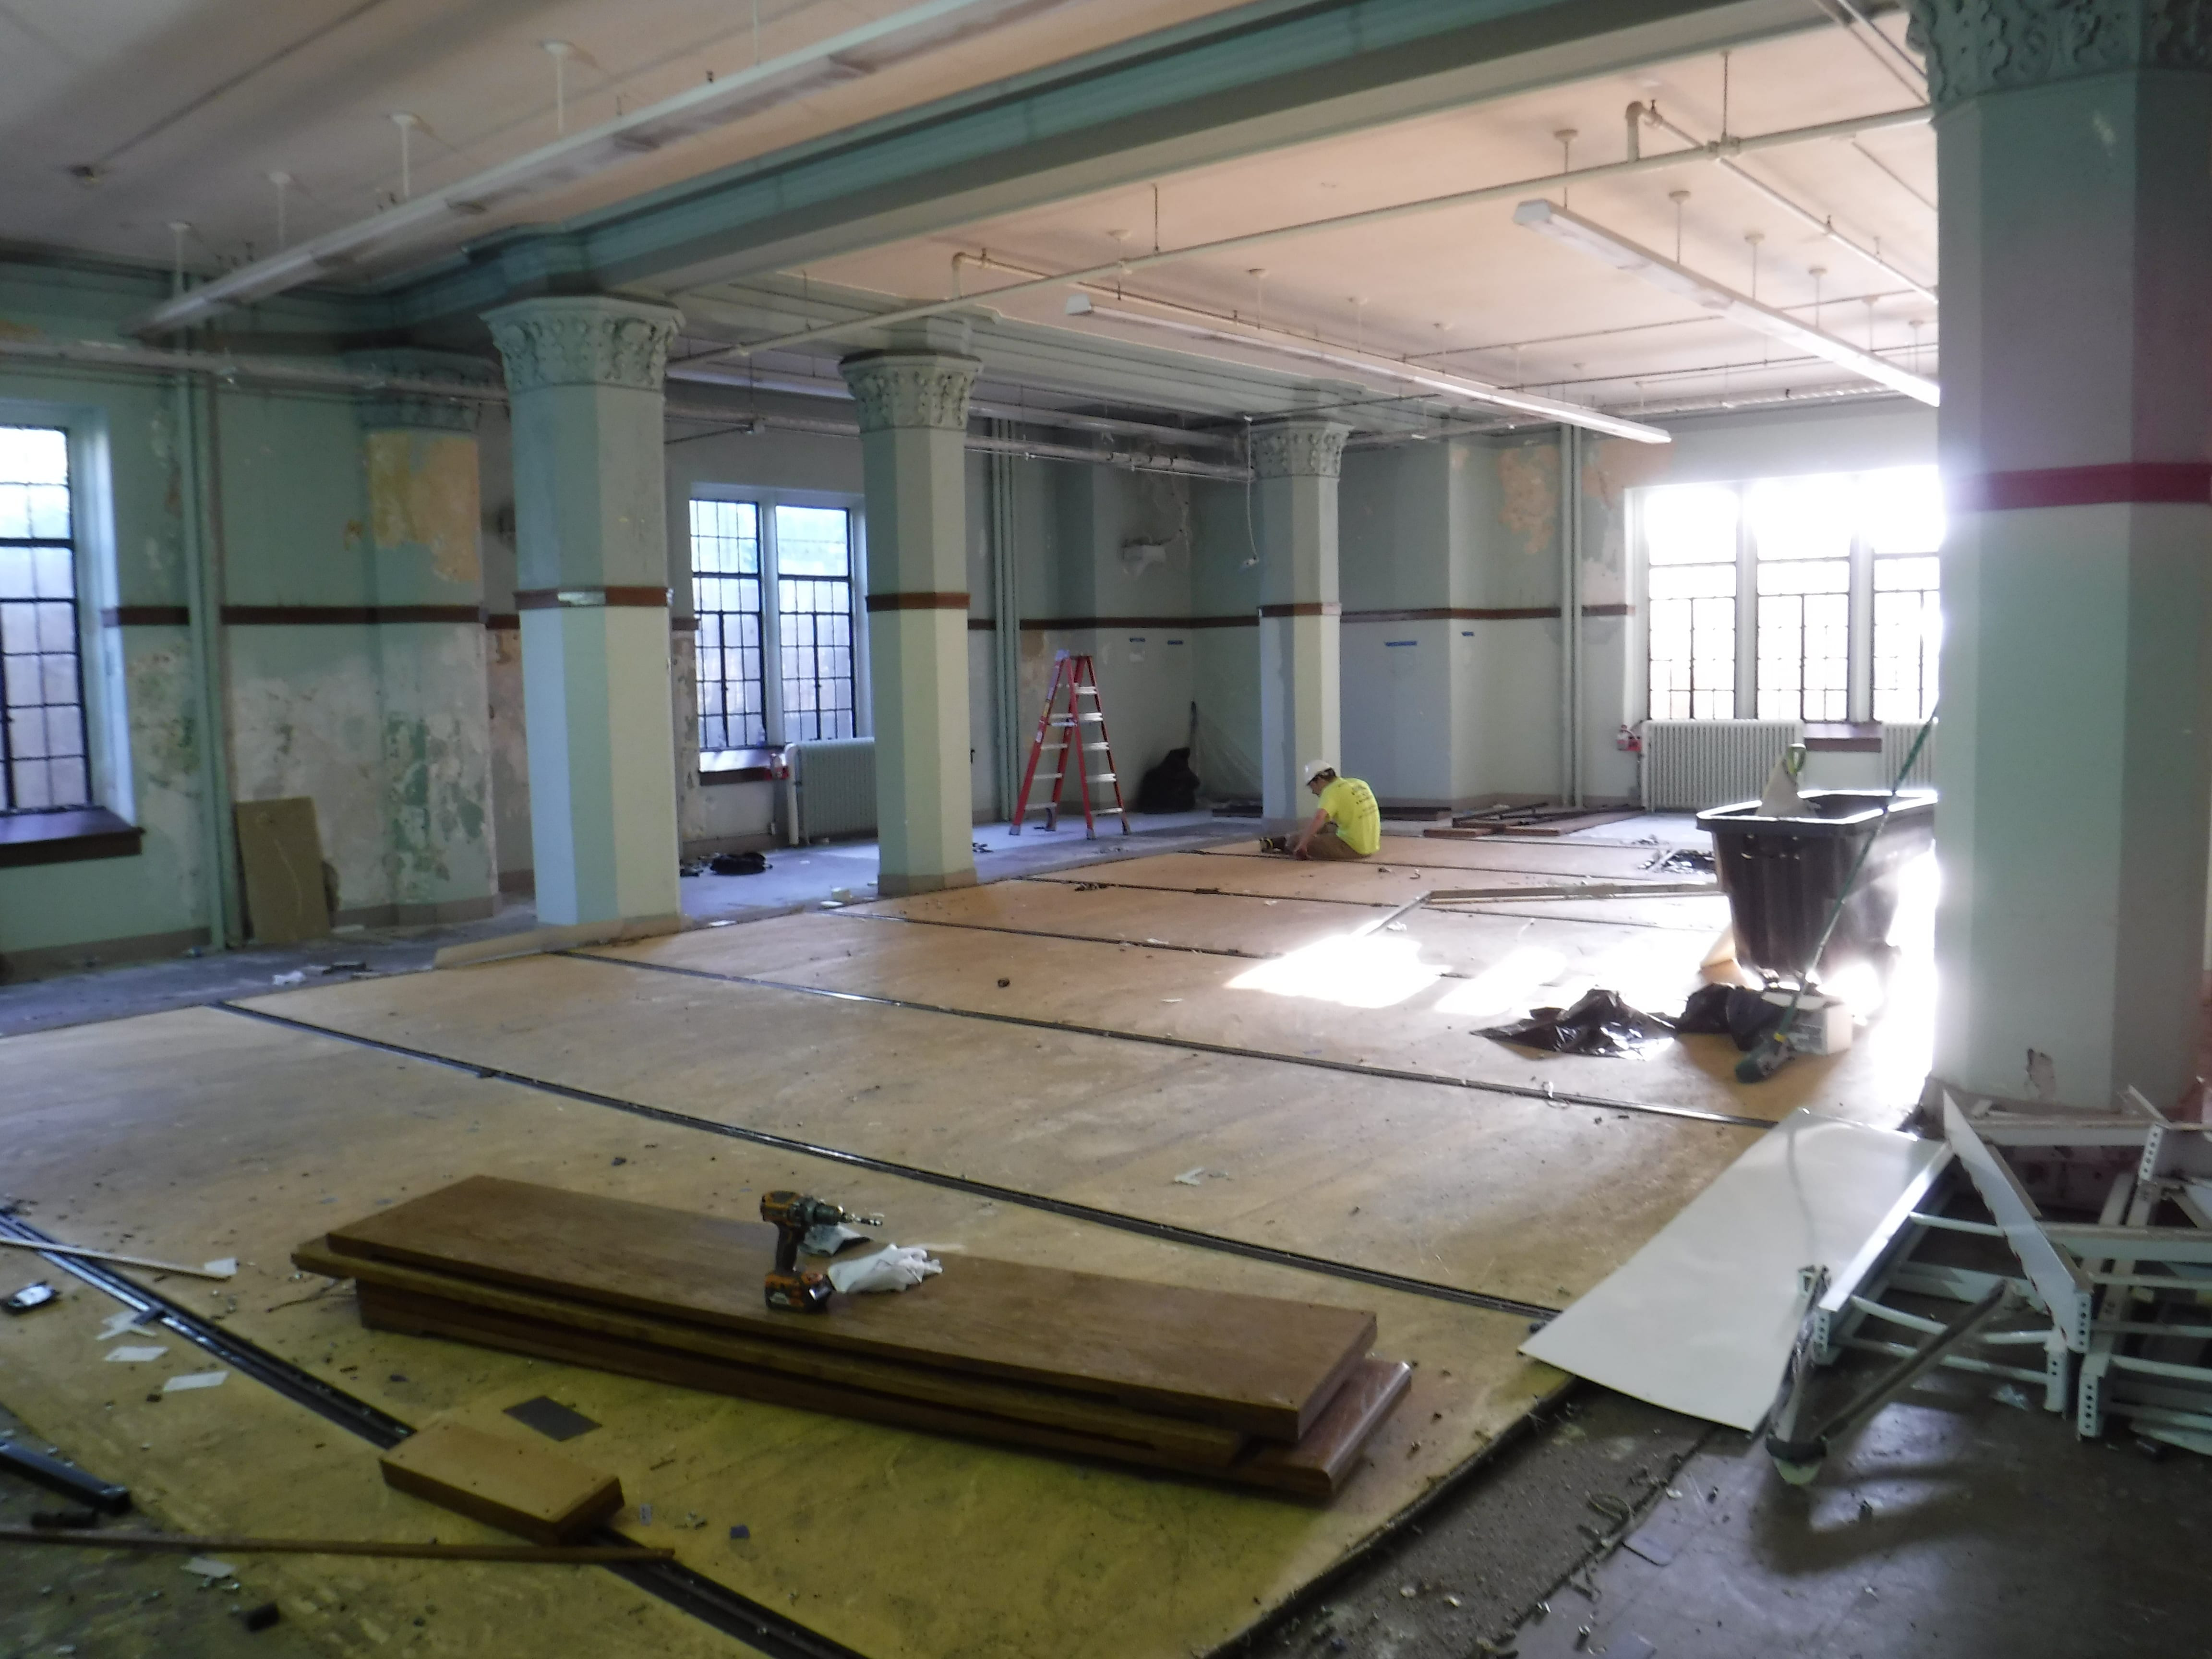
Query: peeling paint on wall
x=683 y=674
x=423 y=492
x=510 y=749
x=1528 y=483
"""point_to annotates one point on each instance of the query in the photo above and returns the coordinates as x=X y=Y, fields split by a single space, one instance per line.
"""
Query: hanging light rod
x=1661 y=272
x=1282 y=343
x=907 y=33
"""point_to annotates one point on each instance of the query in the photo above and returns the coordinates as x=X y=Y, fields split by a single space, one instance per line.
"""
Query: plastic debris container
x=1782 y=875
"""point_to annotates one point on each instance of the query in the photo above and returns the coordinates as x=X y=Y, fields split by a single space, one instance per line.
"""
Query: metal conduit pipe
x=278 y=371
x=1721 y=151
x=1518 y=187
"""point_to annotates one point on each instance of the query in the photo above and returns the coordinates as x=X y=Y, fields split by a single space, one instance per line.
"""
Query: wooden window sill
x=71 y=837
x=1843 y=737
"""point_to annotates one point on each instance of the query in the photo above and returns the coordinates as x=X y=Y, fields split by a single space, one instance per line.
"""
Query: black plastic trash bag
x=1170 y=787
x=1600 y=1023
x=1730 y=1011
x=737 y=864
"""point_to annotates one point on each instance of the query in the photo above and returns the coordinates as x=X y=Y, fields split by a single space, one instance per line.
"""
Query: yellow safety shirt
x=1350 y=806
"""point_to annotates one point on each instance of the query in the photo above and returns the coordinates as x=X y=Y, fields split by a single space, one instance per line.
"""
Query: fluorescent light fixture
x=1283 y=344
x=1660 y=271
x=863 y=51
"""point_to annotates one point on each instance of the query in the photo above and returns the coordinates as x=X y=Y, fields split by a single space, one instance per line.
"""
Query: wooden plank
x=1254 y=1363
x=1316 y=1467
x=281 y=851
x=520 y=1486
x=1197 y=1443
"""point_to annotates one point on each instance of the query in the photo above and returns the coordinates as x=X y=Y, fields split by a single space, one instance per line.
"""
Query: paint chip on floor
x=1194 y=1178
x=130 y=1356
x=206 y=1566
x=193 y=1380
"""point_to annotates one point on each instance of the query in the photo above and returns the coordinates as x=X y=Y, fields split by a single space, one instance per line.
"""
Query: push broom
x=1774 y=1050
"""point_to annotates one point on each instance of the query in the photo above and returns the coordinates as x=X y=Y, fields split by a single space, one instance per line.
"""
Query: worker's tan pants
x=1330 y=845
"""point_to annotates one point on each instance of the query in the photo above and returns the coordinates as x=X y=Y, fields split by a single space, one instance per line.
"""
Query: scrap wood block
x=280 y=850
x=1262 y=1365
x=525 y=1489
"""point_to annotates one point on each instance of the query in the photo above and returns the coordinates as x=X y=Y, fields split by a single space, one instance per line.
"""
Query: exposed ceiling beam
x=1617 y=251
x=850 y=55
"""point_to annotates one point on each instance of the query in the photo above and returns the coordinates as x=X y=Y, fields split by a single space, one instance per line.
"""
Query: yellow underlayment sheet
x=202 y=1133
x=1511 y=1197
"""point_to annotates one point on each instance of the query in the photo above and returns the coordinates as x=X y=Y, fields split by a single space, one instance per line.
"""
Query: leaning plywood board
x=281 y=851
x=1255 y=1364
x=518 y=1486
x=1701 y=1319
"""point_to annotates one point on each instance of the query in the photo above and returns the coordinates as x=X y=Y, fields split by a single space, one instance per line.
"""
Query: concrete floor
x=1952 y=1525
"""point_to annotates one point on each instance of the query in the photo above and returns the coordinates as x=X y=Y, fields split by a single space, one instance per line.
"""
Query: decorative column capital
x=412 y=400
x=1978 y=46
x=1298 y=449
x=911 y=389
x=584 y=340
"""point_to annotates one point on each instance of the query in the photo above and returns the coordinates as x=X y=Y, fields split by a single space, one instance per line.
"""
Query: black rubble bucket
x=1783 y=875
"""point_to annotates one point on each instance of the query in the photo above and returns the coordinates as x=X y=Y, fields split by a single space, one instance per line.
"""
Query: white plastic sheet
x=1701 y=1319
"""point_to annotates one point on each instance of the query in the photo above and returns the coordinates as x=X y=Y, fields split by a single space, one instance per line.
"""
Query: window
x=1815 y=597
x=765 y=570
x=726 y=592
x=42 y=726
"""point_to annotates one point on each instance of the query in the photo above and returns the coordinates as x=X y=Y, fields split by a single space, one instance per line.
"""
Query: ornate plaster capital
x=584 y=340
x=1301 y=449
x=412 y=401
x=1978 y=46
x=911 y=388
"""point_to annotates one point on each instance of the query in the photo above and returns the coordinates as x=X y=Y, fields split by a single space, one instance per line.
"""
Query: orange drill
x=793 y=1215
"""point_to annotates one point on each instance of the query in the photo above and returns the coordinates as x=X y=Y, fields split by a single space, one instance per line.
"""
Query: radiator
x=831 y=790
x=1693 y=764
x=1896 y=742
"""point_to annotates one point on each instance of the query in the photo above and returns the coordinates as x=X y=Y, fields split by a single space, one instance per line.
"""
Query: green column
x=1295 y=464
x=2074 y=763
x=584 y=375
x=913 y=425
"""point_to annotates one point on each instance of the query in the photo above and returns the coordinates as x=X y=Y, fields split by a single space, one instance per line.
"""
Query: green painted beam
x=1248 y=81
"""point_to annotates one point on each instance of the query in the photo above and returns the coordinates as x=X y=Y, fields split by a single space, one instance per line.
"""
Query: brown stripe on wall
x=313 y=616
x=2136 y=484
x=1608 y=610
x=917 y=602
x=684 y=624
x=981 y=624
x=505 y=620
x=1455 y=613
x=1116 y=624
x=1304 y=608
x=589 y=598
x=146 y=616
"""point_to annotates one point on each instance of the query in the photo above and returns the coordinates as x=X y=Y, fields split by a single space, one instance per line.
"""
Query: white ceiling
x=182 y=108
x=1466 y=288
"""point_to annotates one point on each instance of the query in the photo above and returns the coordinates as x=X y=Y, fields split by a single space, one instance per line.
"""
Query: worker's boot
x=1274 y=843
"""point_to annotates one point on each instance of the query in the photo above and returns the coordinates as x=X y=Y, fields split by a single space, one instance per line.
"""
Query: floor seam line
x=1543 y=1092
x=1067 y=1208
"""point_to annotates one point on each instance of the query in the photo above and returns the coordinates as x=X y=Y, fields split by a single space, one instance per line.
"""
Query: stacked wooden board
x=1256 y=1391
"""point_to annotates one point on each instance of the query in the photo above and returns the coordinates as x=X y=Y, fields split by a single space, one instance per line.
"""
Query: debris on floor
x=32 y=1295
x=1599 y=1023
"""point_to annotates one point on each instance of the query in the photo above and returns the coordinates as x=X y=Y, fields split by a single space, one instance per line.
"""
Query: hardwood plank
x=1198 y=1443
x=1316 y=1467
x=518 y=1486
x=1255 y=1364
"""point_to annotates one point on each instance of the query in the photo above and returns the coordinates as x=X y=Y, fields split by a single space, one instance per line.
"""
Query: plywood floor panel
x=201 y=1131
x=1322 y=1006
x=1089 y=1119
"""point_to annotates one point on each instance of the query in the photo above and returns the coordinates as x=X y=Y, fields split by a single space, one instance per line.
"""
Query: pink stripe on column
x=2147 y=484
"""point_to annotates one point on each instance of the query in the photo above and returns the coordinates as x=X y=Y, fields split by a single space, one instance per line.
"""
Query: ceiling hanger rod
x=1521 y=187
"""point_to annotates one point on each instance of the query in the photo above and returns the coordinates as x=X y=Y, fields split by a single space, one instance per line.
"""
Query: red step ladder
x=1068 y=733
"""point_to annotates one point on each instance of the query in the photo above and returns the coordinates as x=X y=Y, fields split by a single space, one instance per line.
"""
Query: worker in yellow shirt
x=1349 y=825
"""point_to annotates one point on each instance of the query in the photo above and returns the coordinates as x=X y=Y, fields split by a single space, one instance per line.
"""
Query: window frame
x=764 y=502
x=1862 y=560
x=100 y=668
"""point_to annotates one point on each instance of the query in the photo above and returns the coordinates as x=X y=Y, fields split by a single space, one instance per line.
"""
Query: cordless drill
x=793 y=1215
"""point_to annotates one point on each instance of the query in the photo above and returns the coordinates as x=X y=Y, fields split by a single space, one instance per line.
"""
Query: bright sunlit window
x=1810 y=599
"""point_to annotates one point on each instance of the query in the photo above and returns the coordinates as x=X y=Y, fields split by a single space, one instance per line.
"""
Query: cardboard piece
x=279 y=851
